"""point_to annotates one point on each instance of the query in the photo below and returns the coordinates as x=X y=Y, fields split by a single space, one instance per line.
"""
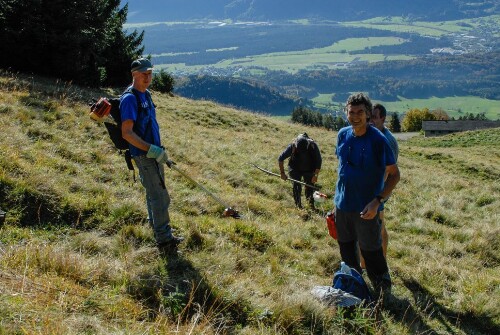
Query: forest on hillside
x=241 y=94
x=470 y=74
x=88 y=45
x=78 y=41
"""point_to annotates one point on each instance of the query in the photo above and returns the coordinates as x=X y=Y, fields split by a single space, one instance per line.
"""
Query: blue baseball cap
x=141 y=65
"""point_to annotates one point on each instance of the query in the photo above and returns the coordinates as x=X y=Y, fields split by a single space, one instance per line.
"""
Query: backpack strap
x=140 y=109
x=126 y=153
x=136 y=94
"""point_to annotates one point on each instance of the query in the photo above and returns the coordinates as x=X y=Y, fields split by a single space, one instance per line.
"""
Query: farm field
x=436 y=29
x=454 y=106
x=372 y=28
x=293 y=62
x=335 y=56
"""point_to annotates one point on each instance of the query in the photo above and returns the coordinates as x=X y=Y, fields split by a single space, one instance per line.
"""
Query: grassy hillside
x=77 y=256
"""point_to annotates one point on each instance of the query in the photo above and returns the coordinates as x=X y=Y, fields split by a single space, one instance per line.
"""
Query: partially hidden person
x=377 y=120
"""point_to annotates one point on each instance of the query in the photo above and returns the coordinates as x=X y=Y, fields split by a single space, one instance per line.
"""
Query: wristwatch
x=380 y=198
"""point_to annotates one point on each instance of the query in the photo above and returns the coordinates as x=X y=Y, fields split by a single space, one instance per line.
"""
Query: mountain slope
x=77 y=254
x=339 y=10
x=238 y=93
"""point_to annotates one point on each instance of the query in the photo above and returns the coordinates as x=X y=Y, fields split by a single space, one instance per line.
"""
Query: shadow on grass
x=427 y=308
x=184 y=284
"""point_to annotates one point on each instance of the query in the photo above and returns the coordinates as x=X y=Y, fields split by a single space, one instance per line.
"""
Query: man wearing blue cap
x=140 y=129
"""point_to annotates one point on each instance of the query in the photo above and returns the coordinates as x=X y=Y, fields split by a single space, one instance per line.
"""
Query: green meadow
x=436 y=29
x=338 y=54
x=335 y=56
x=453 y=106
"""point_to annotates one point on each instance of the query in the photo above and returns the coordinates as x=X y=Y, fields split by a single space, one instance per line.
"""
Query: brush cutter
x=277 y=175
x=228 y=211
x=318 y=196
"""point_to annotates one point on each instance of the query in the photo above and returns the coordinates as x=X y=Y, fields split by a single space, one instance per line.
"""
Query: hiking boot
x=382 y=286
x=171 y=246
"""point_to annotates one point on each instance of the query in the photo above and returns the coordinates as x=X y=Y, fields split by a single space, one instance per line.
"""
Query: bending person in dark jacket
x=304 y=164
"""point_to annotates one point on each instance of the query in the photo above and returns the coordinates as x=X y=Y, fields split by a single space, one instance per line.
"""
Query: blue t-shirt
x=145 y=124
x=362 y=163
x=392 y=142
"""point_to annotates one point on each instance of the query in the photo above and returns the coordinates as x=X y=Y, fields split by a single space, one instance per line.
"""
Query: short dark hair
x=360 y=99
x=381 y=108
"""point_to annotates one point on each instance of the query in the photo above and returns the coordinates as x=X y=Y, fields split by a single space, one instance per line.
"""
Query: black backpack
x=111 y=106
x=303 y=148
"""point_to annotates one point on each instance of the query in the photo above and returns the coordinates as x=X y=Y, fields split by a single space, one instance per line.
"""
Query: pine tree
x=395 y=125
x=340 y=123
x=329 y=121
x=81 y=40
x=163 y=82
x=117 y=64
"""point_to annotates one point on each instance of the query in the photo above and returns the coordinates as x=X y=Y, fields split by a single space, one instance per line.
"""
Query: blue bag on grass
x=349 y=280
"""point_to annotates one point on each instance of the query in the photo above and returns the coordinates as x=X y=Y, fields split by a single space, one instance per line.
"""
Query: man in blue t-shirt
x=365 y=158
x=140 y=129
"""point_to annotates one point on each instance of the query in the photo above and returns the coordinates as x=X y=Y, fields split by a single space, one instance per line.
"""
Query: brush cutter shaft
x=277 y=175
x=228 y=211
x=172 y=166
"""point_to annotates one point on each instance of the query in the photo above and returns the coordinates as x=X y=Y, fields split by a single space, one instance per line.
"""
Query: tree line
x=412 y=120
x=81 y=41
x=308 y=117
